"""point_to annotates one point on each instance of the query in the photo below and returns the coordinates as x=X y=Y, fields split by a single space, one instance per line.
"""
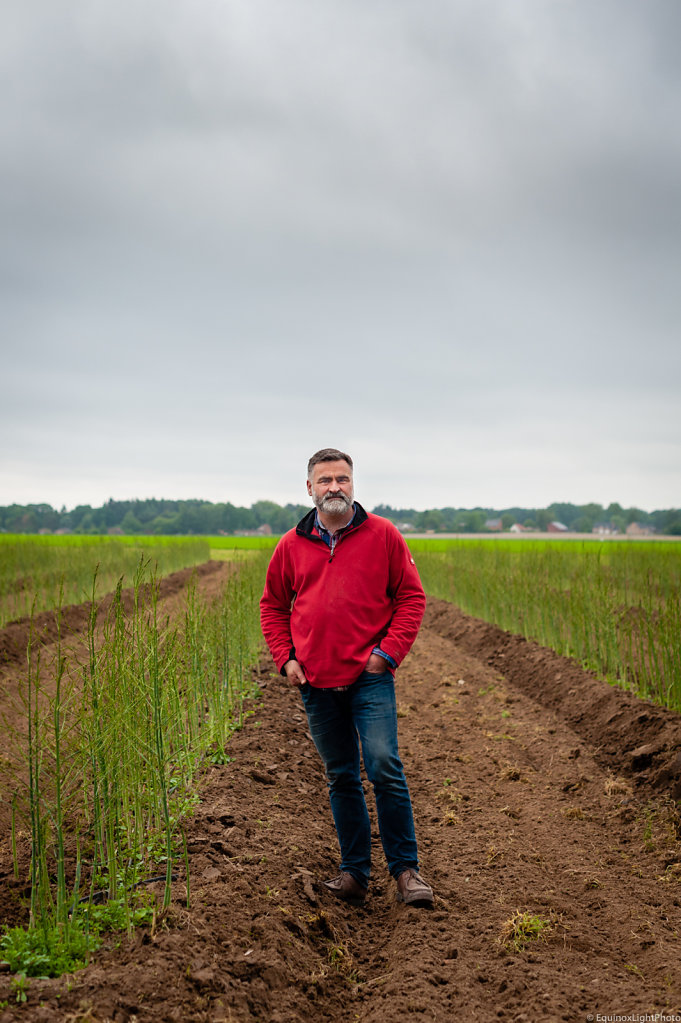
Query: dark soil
x=536 y=788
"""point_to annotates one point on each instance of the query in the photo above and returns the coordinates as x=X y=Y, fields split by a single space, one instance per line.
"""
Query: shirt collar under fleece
x=327 y=536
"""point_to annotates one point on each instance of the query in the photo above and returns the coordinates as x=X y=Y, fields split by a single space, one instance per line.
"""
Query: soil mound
x=628 y=734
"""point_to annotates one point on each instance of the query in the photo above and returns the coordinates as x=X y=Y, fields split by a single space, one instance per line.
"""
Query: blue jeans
x=363 y=712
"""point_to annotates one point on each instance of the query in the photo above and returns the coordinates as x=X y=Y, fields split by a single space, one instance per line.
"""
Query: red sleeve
x=275 y=607
x=408 y=597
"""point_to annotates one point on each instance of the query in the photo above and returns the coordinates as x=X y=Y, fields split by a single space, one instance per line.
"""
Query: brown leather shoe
x=346 y=888
x=413 y=890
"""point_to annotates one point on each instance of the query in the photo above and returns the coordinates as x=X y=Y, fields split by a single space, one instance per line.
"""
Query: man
x=341 y=608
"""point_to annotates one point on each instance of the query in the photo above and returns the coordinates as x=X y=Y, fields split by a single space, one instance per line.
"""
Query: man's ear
x=309 y=488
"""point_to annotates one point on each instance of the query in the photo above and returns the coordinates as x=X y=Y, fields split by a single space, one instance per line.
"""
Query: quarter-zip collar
x=327 y=536
x=307 y=524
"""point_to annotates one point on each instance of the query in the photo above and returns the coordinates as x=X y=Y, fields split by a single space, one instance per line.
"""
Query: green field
x=242 y=543
x=41 y=572
x=612 y=605
x=615 y=606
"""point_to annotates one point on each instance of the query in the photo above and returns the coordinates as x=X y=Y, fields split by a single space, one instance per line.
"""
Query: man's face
x=331 y=487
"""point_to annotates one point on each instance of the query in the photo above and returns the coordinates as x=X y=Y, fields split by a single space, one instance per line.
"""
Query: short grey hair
x=327 y=455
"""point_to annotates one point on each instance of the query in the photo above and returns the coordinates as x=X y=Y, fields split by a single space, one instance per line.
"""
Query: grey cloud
x=430 y=224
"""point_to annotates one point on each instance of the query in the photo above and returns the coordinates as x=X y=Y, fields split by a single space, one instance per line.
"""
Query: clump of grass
x=50 y=950
x=522 y=928
x=47 y=951
x=573 y=813
x=662 y=829
x=448 y=793
x=616 y=786
x=672 y=874
x=19 y=987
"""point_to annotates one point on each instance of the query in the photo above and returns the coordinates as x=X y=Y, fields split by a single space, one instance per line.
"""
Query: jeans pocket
x=375 y=676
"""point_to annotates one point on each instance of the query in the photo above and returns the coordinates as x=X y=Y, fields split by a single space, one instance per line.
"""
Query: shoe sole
x=351 y=900
x=422 y=902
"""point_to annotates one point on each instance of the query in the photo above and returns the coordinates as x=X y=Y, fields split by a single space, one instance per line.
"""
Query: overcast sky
x=442 y=236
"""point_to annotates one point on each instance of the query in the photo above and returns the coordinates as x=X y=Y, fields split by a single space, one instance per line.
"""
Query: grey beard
x=334 y=505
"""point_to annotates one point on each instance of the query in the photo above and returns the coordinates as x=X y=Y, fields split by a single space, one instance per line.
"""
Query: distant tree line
x=166 y=518
x=579 y=518
x=203 y=517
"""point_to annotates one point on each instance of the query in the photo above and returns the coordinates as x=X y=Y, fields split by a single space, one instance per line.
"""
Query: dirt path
x=535 y=788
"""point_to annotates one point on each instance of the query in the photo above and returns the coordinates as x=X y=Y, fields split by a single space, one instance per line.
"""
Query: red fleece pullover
x=330 y=610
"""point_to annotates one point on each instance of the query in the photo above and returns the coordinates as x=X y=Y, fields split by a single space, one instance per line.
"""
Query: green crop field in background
x=615 y=606
x=39 y=572
x=244 y=543
x=240 y=548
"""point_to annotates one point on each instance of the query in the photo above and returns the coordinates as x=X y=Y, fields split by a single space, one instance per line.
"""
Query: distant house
x=494 y=525
x=114 y=531
x=518 y=528
x=557 y=527
x=637 y=529
x=605 y=529
x=264 y=530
